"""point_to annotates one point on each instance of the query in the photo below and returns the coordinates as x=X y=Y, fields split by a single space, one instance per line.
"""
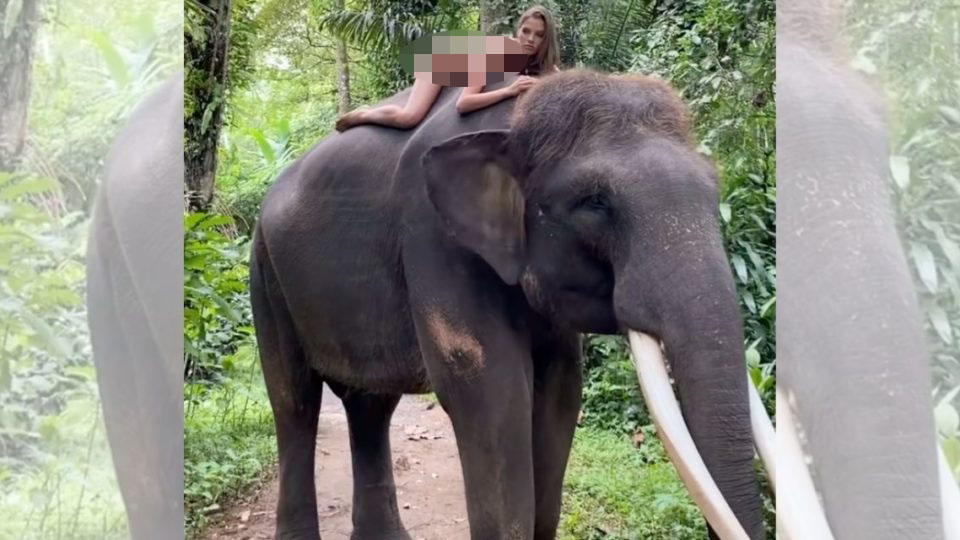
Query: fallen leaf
x=244 y=517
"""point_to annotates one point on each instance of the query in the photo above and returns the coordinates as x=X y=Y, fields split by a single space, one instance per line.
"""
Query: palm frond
x=617 y=21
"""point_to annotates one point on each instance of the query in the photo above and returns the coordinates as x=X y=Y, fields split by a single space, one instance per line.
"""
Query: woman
x=537 y=36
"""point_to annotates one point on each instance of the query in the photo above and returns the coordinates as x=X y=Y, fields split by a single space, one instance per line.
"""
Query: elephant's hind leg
x=375 y=512
x=294 y=389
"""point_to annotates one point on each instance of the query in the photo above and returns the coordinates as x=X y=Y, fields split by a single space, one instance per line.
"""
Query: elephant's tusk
x=763 y=435
x=949 y=499
x=799 y=514
x=672 y=430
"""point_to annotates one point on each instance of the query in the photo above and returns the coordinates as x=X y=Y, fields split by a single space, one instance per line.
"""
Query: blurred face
x=530 y=35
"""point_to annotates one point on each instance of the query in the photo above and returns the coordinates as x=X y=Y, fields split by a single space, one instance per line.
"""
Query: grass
x=229 y=440
x=72 y=492
x=614 y=491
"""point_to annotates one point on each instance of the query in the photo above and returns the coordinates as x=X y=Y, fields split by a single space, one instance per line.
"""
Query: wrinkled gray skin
x=851 y=342
x=135 y=311
x=390 y=262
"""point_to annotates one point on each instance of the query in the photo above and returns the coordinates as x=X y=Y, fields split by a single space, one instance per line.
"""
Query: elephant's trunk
x=691 y=305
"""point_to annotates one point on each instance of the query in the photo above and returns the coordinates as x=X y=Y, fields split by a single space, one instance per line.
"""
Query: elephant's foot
x=370 y=534
x=304 y=533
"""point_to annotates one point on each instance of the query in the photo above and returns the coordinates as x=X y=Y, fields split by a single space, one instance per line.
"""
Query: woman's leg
x=421 y=98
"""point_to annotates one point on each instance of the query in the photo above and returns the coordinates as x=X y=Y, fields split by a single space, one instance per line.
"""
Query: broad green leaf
x=926 y=266
x=190 y=220
x=195 y=263
x=941 y=324
x=900 y=169
x=266 y=149
x=767 y=305
x=207 y=117
x=725 y=212
x=949 y=247
x=211 y=221
x=111 y=55
x=950 y=395
x=753 y=357
x=950 y=114
x=740 y=266
x=226 y=309
x=33 y=186
x=951 y=451
x=947 y=419
x=45 y=332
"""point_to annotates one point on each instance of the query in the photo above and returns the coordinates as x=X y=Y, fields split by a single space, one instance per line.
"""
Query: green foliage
x=613 y=492
x=216 y=309
x=54 y=466
x=611 y=396
x=86 y=82
x=44 y=344
x=228 y=428
x=228 y=436
x=94 y=63
x=912 y=49
x=720 y=55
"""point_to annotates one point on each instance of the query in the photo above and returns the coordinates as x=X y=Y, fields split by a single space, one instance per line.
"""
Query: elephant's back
x=332 y=226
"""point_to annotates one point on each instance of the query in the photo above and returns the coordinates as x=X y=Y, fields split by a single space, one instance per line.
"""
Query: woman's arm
x=473 y=98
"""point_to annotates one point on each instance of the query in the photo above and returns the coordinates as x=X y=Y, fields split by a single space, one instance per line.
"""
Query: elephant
x=466 y=257
x=135 y=310
x=854 y=368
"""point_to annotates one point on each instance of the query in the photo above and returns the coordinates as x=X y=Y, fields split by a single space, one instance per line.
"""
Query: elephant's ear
x=470 y=181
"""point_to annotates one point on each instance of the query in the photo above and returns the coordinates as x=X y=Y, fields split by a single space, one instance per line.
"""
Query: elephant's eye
x=595 y=202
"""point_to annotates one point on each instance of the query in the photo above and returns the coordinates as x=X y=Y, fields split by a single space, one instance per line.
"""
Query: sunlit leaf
x=947 y=419
x=941 y=324
x=111 y=56
x=48 y=337
x=926 y=267
x=950 y=113
x=740 y=267
x=900 y=169
x=725 y=212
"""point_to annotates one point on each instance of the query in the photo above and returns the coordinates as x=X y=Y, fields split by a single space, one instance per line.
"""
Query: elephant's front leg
x=558 y=381
x=483 y=379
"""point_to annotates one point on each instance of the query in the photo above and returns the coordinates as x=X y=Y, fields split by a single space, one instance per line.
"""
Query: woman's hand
x=521 y=84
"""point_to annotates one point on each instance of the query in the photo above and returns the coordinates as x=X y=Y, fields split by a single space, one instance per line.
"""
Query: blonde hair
x=548 y=55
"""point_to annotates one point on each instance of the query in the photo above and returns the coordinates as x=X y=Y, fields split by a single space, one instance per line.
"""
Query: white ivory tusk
x=763 y=435
x=949 y=499
x=799 y=514
x=672 y=430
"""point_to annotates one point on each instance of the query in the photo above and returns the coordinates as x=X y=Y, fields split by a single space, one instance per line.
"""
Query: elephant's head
x=596 y=203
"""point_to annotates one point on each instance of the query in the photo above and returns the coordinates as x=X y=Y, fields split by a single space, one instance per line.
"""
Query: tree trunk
x=16 y=65
x=492 y=13
x=206 y=84
x=343 y=71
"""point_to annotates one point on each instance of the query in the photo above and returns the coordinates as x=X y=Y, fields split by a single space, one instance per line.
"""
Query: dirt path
x=426 y=469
